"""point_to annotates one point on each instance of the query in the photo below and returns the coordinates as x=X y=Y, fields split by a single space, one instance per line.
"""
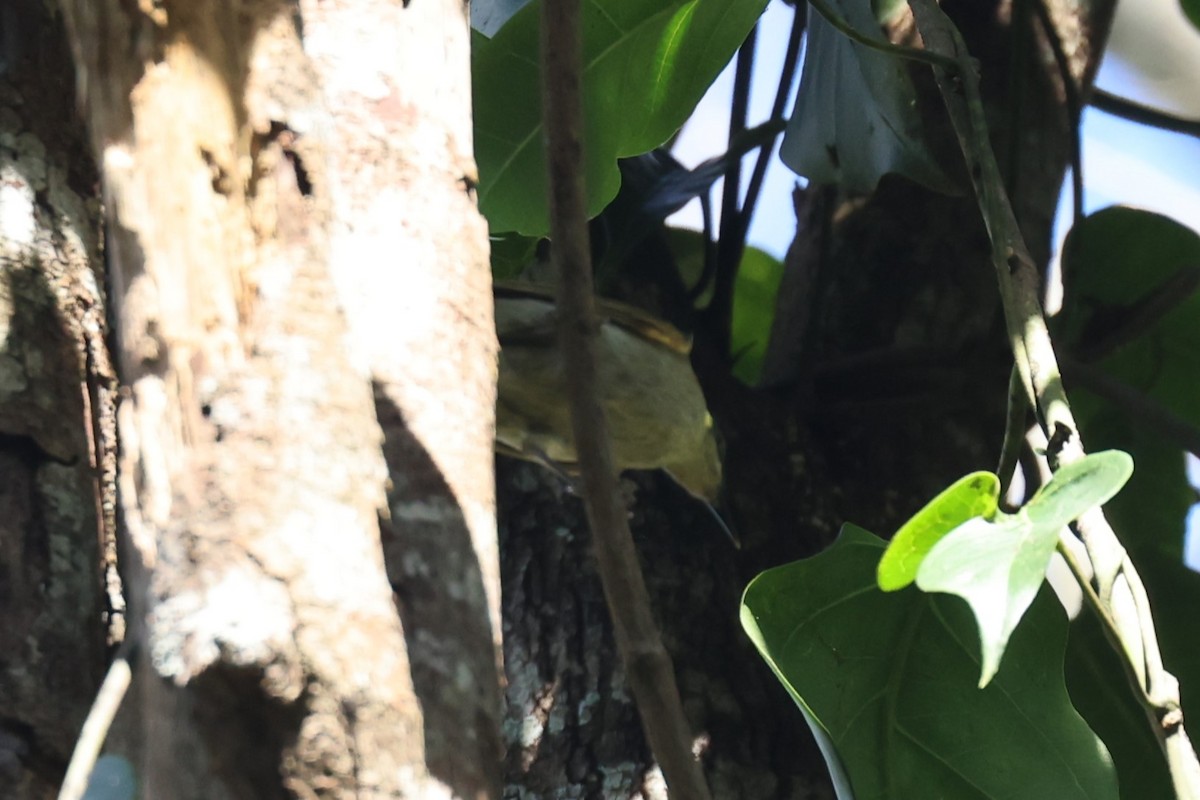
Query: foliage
x=1132 y=315
x=655 y=57
x=758 y=279
x=860 y=663
x=887 y=683
x=889 y=677
x=1131 y=321
x=1099 y=688
x=974 y=495
x=1192 y=9
x=996 y=561
x=856 y=115
x=512 y=254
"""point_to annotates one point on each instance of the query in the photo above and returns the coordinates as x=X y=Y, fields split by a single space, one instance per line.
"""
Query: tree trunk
x=300 y=297
x=56 y=414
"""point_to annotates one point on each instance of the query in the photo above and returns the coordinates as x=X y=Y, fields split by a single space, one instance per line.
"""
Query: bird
x=657 y=415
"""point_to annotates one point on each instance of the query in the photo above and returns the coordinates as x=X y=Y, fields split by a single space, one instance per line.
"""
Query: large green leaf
x=887 y=682
x=1132 y=313
x=646 y=65
x=997 y=565
x=856 y=115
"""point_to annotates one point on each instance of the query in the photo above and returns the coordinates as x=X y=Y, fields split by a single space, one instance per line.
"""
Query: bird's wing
x=530 y=323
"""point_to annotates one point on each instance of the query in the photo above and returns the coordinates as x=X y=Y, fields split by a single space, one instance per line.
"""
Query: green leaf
x=974 y=495
x=1089 y=482
x=646 y=65
x=687 y=248
x=512 y=254
x=998 y=565
x=886 y=681
x=856 y=115
x=754 y=294
x=1132 y=314
x=1152 y=511
x=1192 y=9
x=884 y=10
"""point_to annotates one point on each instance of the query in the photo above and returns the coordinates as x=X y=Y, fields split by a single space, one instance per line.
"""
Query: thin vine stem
x=1115 y=581
x=647 y=664
x=720 y=309
x=1018 y=44
x=1074 y=107
x=1014 y=431
x=791 y=59
x=1017 y=406
x=898 y=50
x=99 y=721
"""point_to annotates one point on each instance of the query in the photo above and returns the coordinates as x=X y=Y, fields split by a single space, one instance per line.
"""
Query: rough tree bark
x=56 y=395
x=900 y=389
x=300 y=301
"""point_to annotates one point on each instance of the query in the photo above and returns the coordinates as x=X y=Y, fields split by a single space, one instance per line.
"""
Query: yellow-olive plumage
x=657 y=416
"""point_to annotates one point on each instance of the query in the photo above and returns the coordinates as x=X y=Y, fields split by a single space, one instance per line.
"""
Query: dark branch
x=1143 y=114
x=647 y=663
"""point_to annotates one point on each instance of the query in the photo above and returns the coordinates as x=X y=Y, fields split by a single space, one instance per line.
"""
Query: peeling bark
x=276 y=659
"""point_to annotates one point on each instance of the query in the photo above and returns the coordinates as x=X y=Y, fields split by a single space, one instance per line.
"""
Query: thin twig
x=736 y=213
x=1145 y=115
x=1018 y=45
x=710 y=249
x=882 y=45
x=1111 y=329
x=791 y=59
x=99 y=720
x=1114 y=575
x=647 y=663
x=1014 y=432
x=699 y=181
x=1073 y=106
x=720 y=308
x=1137 y=405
